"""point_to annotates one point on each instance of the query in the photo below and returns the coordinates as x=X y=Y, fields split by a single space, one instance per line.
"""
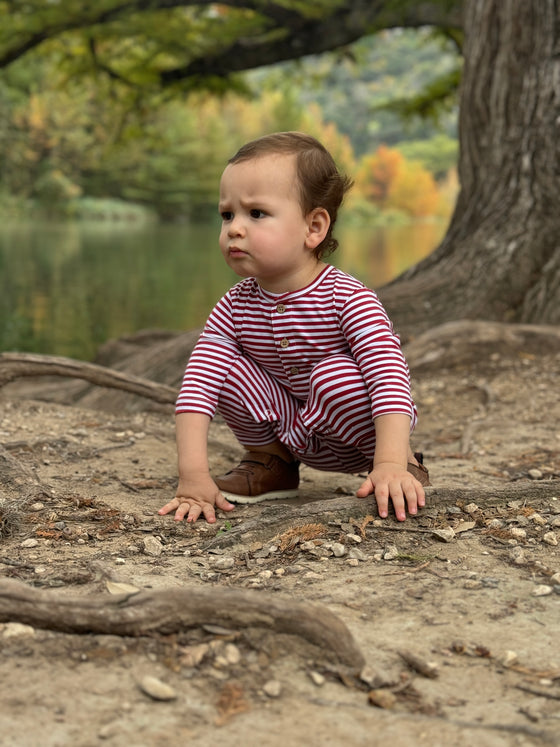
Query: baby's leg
x=256 y=407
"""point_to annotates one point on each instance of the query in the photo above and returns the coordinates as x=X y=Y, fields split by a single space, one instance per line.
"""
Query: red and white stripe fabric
x=335 y=321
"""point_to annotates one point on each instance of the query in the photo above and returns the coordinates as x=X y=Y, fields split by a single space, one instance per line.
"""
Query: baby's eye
x=256 y=213
x=227 y=215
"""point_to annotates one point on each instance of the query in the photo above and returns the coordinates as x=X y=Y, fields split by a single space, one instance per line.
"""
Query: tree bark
x=500 y=259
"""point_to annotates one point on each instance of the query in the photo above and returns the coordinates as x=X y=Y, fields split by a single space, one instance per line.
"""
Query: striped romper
x=312 y=368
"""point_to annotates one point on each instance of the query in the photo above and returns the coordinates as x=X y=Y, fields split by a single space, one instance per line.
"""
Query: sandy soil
x=479 y=606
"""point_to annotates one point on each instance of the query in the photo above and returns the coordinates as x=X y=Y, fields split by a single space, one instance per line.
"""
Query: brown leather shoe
x=419 y=471
x=260 y=477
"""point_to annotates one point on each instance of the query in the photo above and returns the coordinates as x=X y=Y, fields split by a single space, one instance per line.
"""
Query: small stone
x=537 y=519
x=317 y=678
x=391 y=552
x=37 y=506
x=265 y=575
x=518 y=533
x=472 y=584
x=152 y=546
x=535 y=474
x=555 y=522
x=354 y=538
x=156 y=689
x=382 y=698
x=279 y=571
x=495 y=524
x=355 y=552
x=508 y=658
x=338 y=549
x=445 y=535
x=550 y=538
x=555 y=578
x=29 y=543
x=232 y=654
x=353 y=562
x=273 y=688
x=471 y=508
x=17 y=630
x=542 y=590
x=518 y=556
x=224 y=563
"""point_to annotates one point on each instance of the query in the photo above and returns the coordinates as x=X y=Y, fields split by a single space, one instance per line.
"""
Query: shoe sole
x=274 y=495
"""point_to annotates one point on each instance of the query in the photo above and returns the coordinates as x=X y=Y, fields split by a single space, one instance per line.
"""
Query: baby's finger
x=193 y=513
x=171 y=506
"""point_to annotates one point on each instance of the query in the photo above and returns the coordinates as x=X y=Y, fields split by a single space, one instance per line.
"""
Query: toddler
x=299 y=358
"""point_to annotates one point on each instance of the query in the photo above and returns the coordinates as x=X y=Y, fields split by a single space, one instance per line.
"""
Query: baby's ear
x=318 y=222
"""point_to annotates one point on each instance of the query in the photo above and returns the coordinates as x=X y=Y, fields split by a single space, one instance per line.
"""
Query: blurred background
x=108 y=217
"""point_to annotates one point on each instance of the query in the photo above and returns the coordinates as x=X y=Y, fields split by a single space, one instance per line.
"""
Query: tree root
x=274 y=519
x=172 y=611
x=18 y=365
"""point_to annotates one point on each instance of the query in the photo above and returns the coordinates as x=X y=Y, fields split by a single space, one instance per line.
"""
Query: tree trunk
x=500 y=259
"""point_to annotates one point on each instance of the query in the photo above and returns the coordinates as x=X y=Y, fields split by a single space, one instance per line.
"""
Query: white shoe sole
x=274 y=495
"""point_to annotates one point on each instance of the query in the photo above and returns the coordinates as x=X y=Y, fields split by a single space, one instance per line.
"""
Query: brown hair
x=320 y=182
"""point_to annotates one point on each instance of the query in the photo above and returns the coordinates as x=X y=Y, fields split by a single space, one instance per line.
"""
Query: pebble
x=495 y=524
x=471 y=508
x=356 y=553
x=17 y=630
x=156 y=689
x=508 y=658
x=37 y=506
x=354 y=538
x=517 y=555
x=391 y=552
x=338 y=549
x=555 y=522
x=273 y=688
x=537 y=519
x=518 y=533
x=353 y=562
x=472 y=584
x=555 y=578
x=152 y=546
x=550 y=538
x=542 y=590
x=535 y=474
x=317 y=678
x=382 y=698
x=30 y=543
x=445 y=535
x=224 y=563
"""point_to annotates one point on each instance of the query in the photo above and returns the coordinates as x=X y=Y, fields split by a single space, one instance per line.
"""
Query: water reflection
x=66 y=288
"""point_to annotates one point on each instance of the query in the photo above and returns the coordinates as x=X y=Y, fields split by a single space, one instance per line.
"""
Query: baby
x=299 y=358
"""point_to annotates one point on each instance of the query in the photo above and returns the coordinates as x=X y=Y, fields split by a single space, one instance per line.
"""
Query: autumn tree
x=500 y=258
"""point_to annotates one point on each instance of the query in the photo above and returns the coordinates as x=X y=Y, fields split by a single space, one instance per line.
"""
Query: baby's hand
x=388 y=480
x=197 y=494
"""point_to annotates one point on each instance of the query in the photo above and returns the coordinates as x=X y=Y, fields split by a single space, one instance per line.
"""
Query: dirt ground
x=456 y=612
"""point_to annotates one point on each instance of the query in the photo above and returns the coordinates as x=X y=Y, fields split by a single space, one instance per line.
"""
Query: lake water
x=65 y=288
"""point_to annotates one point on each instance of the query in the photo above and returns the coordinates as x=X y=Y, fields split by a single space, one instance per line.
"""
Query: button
x=284 y=343
x=294 y=370
x=280 y=308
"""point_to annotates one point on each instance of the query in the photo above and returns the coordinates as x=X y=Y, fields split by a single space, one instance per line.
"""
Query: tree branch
x=302 y=33
x=17 y=365
x=175 y=610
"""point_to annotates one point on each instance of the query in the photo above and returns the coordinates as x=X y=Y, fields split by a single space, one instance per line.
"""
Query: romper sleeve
x=210 y=361
x=377 y=351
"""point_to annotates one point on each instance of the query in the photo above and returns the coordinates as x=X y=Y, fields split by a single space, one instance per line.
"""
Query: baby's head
x=320 y=182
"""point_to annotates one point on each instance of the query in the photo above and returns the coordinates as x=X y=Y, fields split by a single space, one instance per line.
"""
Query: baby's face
x=264 y=231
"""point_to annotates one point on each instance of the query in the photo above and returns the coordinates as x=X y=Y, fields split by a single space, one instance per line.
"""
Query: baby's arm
x=389 y=477
x=196 y=493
